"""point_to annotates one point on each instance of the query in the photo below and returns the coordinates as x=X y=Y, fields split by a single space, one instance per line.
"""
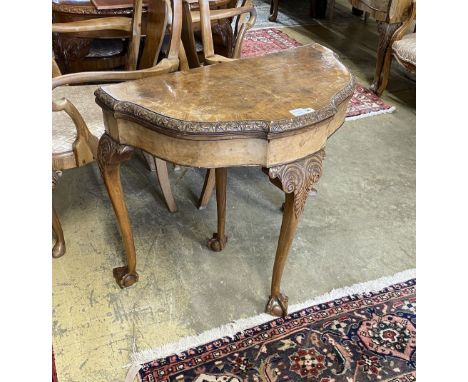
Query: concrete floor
x=360 y=226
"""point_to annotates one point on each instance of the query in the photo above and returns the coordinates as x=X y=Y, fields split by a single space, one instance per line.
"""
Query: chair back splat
x=205 y=17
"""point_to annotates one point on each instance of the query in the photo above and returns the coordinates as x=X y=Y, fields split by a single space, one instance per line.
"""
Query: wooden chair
x=205 y=17
x=75 y=144
x=402 y=47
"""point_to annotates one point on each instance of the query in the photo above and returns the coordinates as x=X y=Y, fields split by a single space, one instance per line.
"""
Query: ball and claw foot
x=58 y=250
x=278 y=306
x=123 y=278
x=216 y=244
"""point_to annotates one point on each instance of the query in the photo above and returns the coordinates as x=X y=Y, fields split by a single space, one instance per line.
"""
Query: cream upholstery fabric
x=405 y=49
x=63 y=128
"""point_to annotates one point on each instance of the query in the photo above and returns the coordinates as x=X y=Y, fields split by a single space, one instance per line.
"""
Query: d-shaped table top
x=263 y=96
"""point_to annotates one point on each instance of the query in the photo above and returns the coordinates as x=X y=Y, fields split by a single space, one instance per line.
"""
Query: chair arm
x=219 y=14
x=217 y=59
x=82 y=147
x=165 y=66
x=242 y=27
x=107 y=23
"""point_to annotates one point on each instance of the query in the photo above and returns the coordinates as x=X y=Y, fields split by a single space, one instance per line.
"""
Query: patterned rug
x=369 y=336
x=363 y=104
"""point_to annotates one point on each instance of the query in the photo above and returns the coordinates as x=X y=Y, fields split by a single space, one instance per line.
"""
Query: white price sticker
x=301 y=111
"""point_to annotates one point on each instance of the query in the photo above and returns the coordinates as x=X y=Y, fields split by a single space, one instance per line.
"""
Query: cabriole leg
x=58 y=250
x=296 y=179
x=274 y=5
x=219 y=239
x=110 y=155
x=278 y=303
x=386 y=72
x=386 y=32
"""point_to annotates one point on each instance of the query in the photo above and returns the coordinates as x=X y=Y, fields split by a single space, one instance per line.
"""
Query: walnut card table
x=280 y=110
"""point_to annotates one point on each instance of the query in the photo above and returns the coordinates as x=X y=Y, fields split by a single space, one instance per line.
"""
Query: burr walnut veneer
x=279 y=114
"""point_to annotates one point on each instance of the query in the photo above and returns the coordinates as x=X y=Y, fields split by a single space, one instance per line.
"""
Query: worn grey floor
x=296 y=12
x=360 y=226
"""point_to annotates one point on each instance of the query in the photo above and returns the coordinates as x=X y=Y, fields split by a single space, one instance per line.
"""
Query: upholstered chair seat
x=405 y=49
x=63 y=129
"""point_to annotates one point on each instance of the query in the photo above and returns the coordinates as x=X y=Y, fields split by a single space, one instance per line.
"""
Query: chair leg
x=160 y=168
x=149 y=161
x=385 y=72
x=274 y=5
x=110 y=155
x=58 y=250
x=330 y=12
x=208 y=188
x=219 y=239
x=365 y=17
x=386 y=32
x=164 y=182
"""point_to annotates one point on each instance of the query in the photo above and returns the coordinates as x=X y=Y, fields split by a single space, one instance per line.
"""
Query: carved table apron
x=279 y=114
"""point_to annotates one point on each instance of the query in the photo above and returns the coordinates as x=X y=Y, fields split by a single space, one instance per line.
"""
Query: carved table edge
x=263 y=128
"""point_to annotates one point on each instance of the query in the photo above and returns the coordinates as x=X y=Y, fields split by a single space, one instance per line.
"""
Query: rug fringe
x=230 y=329
x=371 y=114
x=133 y=373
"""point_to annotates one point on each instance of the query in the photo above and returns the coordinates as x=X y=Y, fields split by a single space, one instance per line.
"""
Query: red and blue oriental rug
x=362 y=337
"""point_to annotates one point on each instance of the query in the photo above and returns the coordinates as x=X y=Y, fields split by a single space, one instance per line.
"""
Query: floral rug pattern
x=363 y=104
x=368 y=337
x=258 y=42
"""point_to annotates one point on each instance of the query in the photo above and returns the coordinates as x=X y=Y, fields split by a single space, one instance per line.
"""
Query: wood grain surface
x=276 y=92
